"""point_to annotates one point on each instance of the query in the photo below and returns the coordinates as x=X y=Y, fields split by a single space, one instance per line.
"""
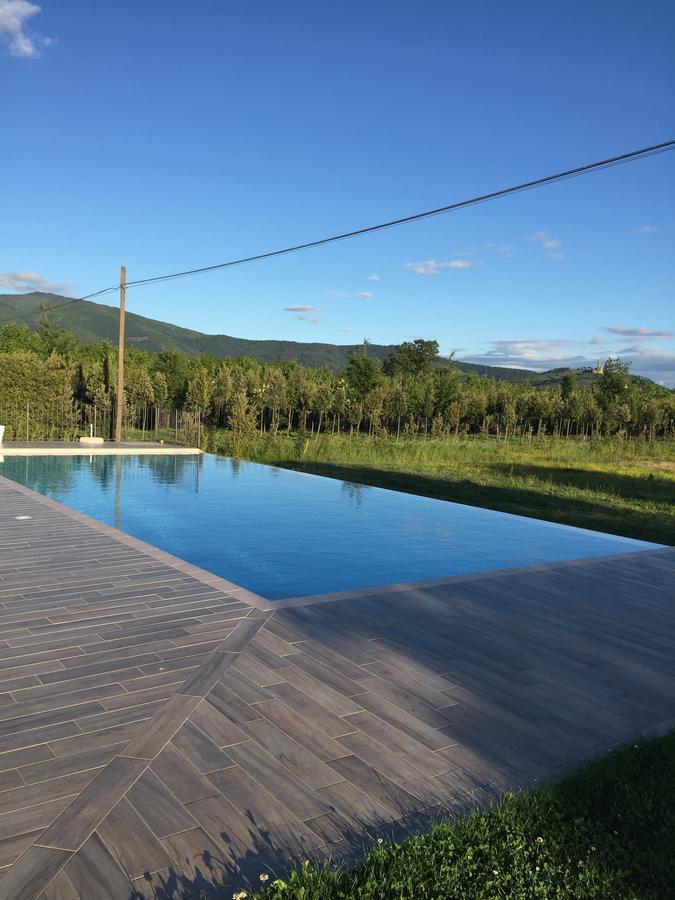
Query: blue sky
x=168 y=135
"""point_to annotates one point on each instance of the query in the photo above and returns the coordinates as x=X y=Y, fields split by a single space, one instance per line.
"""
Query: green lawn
x=617 y=486
x=607 y=832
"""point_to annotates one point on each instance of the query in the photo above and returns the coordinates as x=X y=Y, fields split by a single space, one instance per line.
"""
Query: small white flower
x=540 y=840
x=380 y=841
x=495 y=871
x=264 y=877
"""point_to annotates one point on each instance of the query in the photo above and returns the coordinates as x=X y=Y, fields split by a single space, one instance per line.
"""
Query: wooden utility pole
x=119 y=404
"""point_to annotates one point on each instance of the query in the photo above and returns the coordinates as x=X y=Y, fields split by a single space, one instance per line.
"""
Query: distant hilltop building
x=598 y=369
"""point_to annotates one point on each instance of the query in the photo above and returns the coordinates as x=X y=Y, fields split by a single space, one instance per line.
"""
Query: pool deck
x=162 y=729
x=108 y=448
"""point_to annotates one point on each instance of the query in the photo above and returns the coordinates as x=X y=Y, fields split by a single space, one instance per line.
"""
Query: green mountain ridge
x=94 y=322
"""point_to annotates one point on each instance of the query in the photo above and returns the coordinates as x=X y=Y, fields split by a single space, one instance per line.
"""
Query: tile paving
x=162 y=729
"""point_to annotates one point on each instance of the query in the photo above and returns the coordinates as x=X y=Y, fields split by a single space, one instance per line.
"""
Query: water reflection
x=355 y=492
x=118 y=491
x=56 y=475
x=46 y=474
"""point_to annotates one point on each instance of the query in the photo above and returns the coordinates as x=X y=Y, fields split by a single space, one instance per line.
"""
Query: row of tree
x=408 y=394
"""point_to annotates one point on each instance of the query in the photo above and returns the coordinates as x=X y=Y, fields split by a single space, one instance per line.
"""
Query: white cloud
x=547 y=242
x=374 y=278
x=532 y=349
x=306 y=313
x=434 y=267
x=27 y=282
x=538 y=355
x=646 y=229
x=644 y=333
x=429 y=267
x=345 y=295
x=14 y=14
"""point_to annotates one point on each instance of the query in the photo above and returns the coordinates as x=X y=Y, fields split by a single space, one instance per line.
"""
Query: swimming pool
x=283 y=534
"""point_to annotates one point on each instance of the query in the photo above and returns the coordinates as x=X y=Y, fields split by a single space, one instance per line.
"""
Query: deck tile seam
x=73 y=705
x=146 y=765
x=71 y=852
x=19 y=809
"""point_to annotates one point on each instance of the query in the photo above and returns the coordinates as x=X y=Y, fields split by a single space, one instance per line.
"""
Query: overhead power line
x=404 y=220
x=79 y=299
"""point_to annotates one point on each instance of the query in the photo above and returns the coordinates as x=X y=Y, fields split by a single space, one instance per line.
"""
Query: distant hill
x=93 y=322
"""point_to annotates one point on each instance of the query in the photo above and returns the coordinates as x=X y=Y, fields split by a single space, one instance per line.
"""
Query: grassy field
x=607 y=832
x=611 y=485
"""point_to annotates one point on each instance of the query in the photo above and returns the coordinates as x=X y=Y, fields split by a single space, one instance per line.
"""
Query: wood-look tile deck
x=161 y=729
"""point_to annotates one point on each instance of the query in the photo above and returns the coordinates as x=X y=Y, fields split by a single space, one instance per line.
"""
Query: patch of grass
x=611 y=485
x=607 y=831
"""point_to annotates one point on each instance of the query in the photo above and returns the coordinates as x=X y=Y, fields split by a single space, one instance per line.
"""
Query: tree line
x=409 y=394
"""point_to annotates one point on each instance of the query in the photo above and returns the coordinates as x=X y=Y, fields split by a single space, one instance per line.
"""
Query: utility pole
x=119 y=404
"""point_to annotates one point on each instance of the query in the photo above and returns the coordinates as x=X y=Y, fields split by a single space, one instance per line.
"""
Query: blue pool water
x=284 y=534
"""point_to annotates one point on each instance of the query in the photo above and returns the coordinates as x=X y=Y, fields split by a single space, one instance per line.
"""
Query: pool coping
x=175 y=562
x=359 y=593
x=264 y=604
x=109 y=448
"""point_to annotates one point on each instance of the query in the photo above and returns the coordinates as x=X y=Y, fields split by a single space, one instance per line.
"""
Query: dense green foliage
x=25 y=375
x=415 y=398
x=607 y=831
x=32 y=372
